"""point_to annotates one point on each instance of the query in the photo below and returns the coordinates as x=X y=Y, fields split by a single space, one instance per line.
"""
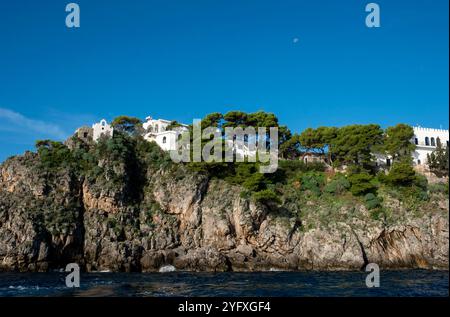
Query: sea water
x=392 y=283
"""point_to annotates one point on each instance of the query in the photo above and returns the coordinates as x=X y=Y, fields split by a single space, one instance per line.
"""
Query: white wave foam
x=167 y=268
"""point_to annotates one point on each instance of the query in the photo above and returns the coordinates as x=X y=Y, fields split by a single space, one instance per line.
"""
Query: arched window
x=433 y=143
x=164 y=139
x=180 y=136
x=156 y=128
x=438 y=141
x=418 y=162
x=416 y=141
x=427 y=141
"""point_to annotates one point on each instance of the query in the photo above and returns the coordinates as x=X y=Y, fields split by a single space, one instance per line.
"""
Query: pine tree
x=438 y=160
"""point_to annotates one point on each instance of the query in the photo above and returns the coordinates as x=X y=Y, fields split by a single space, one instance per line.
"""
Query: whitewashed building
x=426 y=140
x=156 y=131
x=101 y=128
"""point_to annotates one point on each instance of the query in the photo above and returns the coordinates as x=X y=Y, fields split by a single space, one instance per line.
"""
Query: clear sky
x=312 y=63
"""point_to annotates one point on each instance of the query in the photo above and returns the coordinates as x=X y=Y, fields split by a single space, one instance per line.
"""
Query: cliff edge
x=123 y=211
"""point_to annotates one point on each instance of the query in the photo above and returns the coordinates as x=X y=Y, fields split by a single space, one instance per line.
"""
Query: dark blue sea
x=392 y=283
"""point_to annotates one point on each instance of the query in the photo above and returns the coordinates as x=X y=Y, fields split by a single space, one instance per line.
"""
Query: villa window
x=427 y=141
x=85 y=134
x=416 y=141
x=433 y=143
x=438 y=141
x=388 y=162
x=164 y=139
x=156 y=128
x=418 y=162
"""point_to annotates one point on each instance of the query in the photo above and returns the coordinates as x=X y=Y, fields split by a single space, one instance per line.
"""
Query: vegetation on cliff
x=122 y=204
x=349 y=149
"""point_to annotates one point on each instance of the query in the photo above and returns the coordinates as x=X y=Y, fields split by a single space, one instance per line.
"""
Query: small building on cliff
x=164 y=132
x=101 y=128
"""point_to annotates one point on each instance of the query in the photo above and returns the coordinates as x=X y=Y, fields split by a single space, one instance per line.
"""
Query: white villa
x=156 y=130
x=426 y=140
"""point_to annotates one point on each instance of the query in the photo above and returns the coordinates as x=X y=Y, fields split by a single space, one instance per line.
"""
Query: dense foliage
x=349 y=150
x=397 y=142
x=130 y=125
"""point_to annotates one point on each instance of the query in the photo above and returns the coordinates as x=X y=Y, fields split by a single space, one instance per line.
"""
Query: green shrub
x=421 y=182
x=361 y=184
x=415 y=193
x=312 y=181
x=255 y=182
x=242 y=171
x=291 y=168
x=152 y=154
x=422 y=195
x=266 y=196
x=439 y=188
x=377 y=214
x=116 y=148
x=338 y=185
x=54 y=155
x=401 y=174
x=412 y=187
x=298 y=165
x=245 y=194
x=372 y=201
x=381 y=177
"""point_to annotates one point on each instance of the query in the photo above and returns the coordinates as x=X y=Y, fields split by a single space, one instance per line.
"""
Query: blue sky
x=183 y=59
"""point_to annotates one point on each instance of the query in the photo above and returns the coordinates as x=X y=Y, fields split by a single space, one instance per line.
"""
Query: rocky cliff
x=122 y=221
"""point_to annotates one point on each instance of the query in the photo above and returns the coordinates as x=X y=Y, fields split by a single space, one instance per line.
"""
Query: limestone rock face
x=191 y=222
